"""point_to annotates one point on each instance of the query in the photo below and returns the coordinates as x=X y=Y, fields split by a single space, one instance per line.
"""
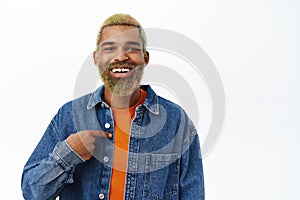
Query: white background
x=253 y=43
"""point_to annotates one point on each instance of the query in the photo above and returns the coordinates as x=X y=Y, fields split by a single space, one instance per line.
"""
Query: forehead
x=120 y=33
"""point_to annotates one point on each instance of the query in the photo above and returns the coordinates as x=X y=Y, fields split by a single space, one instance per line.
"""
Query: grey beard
x=123 y=86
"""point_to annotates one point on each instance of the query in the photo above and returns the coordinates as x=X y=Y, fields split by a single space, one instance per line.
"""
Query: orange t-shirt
x=122 y=123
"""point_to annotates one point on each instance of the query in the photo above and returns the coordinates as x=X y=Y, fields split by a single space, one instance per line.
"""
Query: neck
x=121 y=102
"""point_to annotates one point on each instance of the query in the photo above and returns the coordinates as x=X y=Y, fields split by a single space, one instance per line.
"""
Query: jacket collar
x=151 y=101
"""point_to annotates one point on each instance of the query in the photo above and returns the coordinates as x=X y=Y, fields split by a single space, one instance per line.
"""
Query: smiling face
x=121 y=59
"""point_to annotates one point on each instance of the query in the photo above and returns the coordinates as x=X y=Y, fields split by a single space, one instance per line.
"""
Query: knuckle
x=92 y=140
x=91 y=148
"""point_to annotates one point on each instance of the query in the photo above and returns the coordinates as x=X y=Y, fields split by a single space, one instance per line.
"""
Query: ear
x=146 y=57
x=95 y=56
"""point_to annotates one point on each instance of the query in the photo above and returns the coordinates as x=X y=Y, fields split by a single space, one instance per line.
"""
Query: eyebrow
x=127 y=43
x=107 y=43
x=133 y=43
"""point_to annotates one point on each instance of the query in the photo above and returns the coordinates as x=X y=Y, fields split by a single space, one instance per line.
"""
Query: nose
x=121 y=57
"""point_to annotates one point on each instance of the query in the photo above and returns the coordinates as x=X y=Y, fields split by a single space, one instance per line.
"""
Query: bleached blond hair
x=121 y=19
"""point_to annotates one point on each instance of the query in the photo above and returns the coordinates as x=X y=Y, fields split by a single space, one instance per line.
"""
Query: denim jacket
x=164 y=159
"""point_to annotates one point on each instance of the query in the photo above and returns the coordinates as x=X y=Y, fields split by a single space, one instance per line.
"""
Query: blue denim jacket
x=164 y=160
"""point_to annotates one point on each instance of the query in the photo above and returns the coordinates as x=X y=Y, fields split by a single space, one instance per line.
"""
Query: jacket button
x=105 y=159
x=101 y=196
x=106 y=125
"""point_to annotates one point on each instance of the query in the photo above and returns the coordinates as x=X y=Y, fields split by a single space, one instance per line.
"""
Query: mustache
x=119 y=64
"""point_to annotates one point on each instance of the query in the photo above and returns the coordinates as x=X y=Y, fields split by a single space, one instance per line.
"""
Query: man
x=122 y=141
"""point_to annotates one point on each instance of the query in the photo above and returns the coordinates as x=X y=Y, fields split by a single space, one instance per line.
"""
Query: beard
x=124 y=86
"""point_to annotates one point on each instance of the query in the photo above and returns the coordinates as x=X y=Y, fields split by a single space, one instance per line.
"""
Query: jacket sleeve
x=191 y=177
x=50 y=167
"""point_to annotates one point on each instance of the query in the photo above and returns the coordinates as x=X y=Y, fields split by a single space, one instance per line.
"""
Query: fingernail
x=110 y=135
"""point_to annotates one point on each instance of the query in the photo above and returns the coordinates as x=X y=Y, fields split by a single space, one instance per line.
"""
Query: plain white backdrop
x=254 y=45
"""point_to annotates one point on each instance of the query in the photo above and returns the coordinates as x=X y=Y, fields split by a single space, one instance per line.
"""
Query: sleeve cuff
x=74 y=151
x=65 y=156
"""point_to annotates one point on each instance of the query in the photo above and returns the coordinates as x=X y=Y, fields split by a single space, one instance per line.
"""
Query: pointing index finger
x=99 y=133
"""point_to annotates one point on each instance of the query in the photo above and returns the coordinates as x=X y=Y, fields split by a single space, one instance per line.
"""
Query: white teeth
x=120 y=70
x=125 y=70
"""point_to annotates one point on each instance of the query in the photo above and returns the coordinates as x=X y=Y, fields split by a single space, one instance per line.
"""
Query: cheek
x=103 y=61
x=138 y=59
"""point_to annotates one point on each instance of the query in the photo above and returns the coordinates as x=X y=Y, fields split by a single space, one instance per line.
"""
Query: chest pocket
x=161 y=176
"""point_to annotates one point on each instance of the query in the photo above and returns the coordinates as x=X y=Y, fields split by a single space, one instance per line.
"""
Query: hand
x=82 y=142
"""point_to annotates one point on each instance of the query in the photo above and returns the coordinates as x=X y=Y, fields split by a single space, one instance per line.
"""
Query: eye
x=132 y=49
x=108 y=49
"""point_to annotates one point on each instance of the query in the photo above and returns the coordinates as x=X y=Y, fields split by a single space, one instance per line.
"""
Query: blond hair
x=121 y=19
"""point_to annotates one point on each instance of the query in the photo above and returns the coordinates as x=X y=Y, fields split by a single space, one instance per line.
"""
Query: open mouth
x=120 y=72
